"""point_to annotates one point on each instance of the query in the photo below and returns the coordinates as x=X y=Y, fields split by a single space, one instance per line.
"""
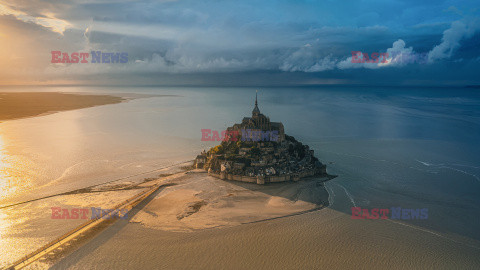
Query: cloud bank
x=231 y=37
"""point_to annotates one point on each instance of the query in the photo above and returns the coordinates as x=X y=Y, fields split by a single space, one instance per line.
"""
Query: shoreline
x=311 y=231
x=264 y=242
x=20 y=105
x=232 y=204
x=197 y=201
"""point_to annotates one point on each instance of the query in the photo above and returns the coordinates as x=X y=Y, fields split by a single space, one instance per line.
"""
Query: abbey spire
x=256 y=110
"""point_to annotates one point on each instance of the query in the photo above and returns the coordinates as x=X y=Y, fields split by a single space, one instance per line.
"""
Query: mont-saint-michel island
x=258 y=151
x=239 y=134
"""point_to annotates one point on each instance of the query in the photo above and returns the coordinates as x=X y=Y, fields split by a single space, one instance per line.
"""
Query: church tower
x=259 y=122
x=256 y=110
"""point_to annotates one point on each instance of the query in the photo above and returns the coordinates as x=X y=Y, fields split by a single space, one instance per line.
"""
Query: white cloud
x=307 y=58
x=451 y=39
x=397 y=55
x=54 y=24
x=348 y=64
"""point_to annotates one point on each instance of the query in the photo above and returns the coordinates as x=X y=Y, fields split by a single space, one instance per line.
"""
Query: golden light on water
x=5 y=189
x=4 y=165
x=12 y=180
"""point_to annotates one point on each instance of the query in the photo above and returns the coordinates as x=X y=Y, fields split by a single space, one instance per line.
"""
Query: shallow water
x=406 y=147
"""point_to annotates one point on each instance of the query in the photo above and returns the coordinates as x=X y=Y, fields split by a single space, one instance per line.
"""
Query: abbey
x=264 y=154
x=258 y=122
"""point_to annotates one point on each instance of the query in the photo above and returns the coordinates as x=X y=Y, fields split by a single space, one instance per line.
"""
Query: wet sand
x=247 y=235
x=196 y=201
x=29 y=104
x=315 y=240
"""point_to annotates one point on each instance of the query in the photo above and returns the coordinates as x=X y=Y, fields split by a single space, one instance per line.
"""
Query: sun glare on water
x=4 y=178
x=11 y=180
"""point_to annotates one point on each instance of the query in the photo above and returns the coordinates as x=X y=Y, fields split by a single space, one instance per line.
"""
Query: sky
x=242 y=43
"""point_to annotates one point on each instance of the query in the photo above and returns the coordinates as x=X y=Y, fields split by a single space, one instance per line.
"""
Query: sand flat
x=324 y=239
x=197 y=201
x=28 y=104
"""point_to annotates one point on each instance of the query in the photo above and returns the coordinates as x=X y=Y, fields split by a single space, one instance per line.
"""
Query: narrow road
x=76 y=232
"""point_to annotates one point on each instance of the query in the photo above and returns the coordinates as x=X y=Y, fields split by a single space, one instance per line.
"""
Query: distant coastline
x=30 y=104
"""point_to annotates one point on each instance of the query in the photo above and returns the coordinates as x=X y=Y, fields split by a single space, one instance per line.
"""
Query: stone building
x=284 y=159
x=259 y=122
x=200 y=161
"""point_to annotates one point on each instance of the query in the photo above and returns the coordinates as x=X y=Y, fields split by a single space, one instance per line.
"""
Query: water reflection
x=6 y=186
x=12 y=181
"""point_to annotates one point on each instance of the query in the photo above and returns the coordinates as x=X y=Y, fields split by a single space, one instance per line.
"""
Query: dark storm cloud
x=309 y=41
